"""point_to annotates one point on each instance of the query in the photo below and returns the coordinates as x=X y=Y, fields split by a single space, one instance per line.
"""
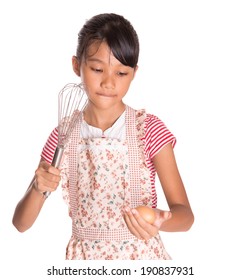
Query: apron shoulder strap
x=134 y=133
x=72 y=158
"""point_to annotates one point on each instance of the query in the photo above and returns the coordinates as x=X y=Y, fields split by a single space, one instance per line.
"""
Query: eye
x=97 y=70
x=121 y=74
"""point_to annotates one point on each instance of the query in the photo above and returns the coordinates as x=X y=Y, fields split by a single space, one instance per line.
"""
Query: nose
x=108 y=82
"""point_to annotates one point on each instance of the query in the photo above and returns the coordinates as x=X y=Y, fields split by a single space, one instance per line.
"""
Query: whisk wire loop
x=71 y=101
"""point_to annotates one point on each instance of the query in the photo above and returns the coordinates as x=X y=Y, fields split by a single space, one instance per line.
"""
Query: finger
x=49 y=168
x=162 y=217
x=42 y=188
x=49 y=172
x=46 y=181
x=130 y=226
x=138 y=224
x=53 y=170
x=44 y=177
x=45 y=184
x=145 y=229
x=165 y=215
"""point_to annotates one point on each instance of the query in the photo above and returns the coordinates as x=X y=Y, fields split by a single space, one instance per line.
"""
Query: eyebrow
x=95 y=60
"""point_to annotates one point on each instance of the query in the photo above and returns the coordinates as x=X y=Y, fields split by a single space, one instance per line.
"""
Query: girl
x=110 y=163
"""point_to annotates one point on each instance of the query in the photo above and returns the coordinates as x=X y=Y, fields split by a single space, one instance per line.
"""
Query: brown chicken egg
x=146 y=213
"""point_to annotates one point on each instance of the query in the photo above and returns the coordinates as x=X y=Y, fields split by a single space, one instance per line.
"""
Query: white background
x=188 y=75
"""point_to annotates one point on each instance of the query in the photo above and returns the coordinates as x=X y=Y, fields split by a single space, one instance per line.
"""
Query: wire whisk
x=71 y=101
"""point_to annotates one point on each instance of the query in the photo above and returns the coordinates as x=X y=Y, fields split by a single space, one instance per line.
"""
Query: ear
x=76 y=65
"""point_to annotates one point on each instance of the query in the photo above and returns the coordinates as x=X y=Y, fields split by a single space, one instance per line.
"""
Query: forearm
x=28 y=209
x=181 y=220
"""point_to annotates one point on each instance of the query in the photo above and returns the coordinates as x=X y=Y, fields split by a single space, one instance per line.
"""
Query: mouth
x=106 y=95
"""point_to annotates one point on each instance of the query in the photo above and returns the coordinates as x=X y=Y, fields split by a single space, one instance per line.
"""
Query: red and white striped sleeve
x=50 y=147
x=157 y=135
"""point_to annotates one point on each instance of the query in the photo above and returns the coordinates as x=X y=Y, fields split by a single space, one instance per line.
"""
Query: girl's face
x=105 y=78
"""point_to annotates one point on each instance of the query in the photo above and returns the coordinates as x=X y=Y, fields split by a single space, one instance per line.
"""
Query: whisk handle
x=56 y=162
x=57 y=157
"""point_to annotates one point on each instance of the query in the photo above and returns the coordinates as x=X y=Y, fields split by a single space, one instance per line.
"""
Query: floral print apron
x=111 y=174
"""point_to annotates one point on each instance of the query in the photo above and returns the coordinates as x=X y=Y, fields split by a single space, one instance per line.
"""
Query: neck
x=102 y=118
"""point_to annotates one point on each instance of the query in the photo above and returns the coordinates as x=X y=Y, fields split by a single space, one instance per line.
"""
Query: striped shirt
x=156 y=137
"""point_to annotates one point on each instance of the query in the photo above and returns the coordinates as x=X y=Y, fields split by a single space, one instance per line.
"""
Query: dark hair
x=116 y=31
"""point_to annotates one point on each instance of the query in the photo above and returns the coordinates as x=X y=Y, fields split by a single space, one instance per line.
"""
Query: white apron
x=105 y=176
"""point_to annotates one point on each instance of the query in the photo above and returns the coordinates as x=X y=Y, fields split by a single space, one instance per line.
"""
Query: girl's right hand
x=47 y=177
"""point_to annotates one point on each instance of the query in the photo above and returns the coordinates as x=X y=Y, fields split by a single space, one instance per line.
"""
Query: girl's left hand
x=142 y=229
